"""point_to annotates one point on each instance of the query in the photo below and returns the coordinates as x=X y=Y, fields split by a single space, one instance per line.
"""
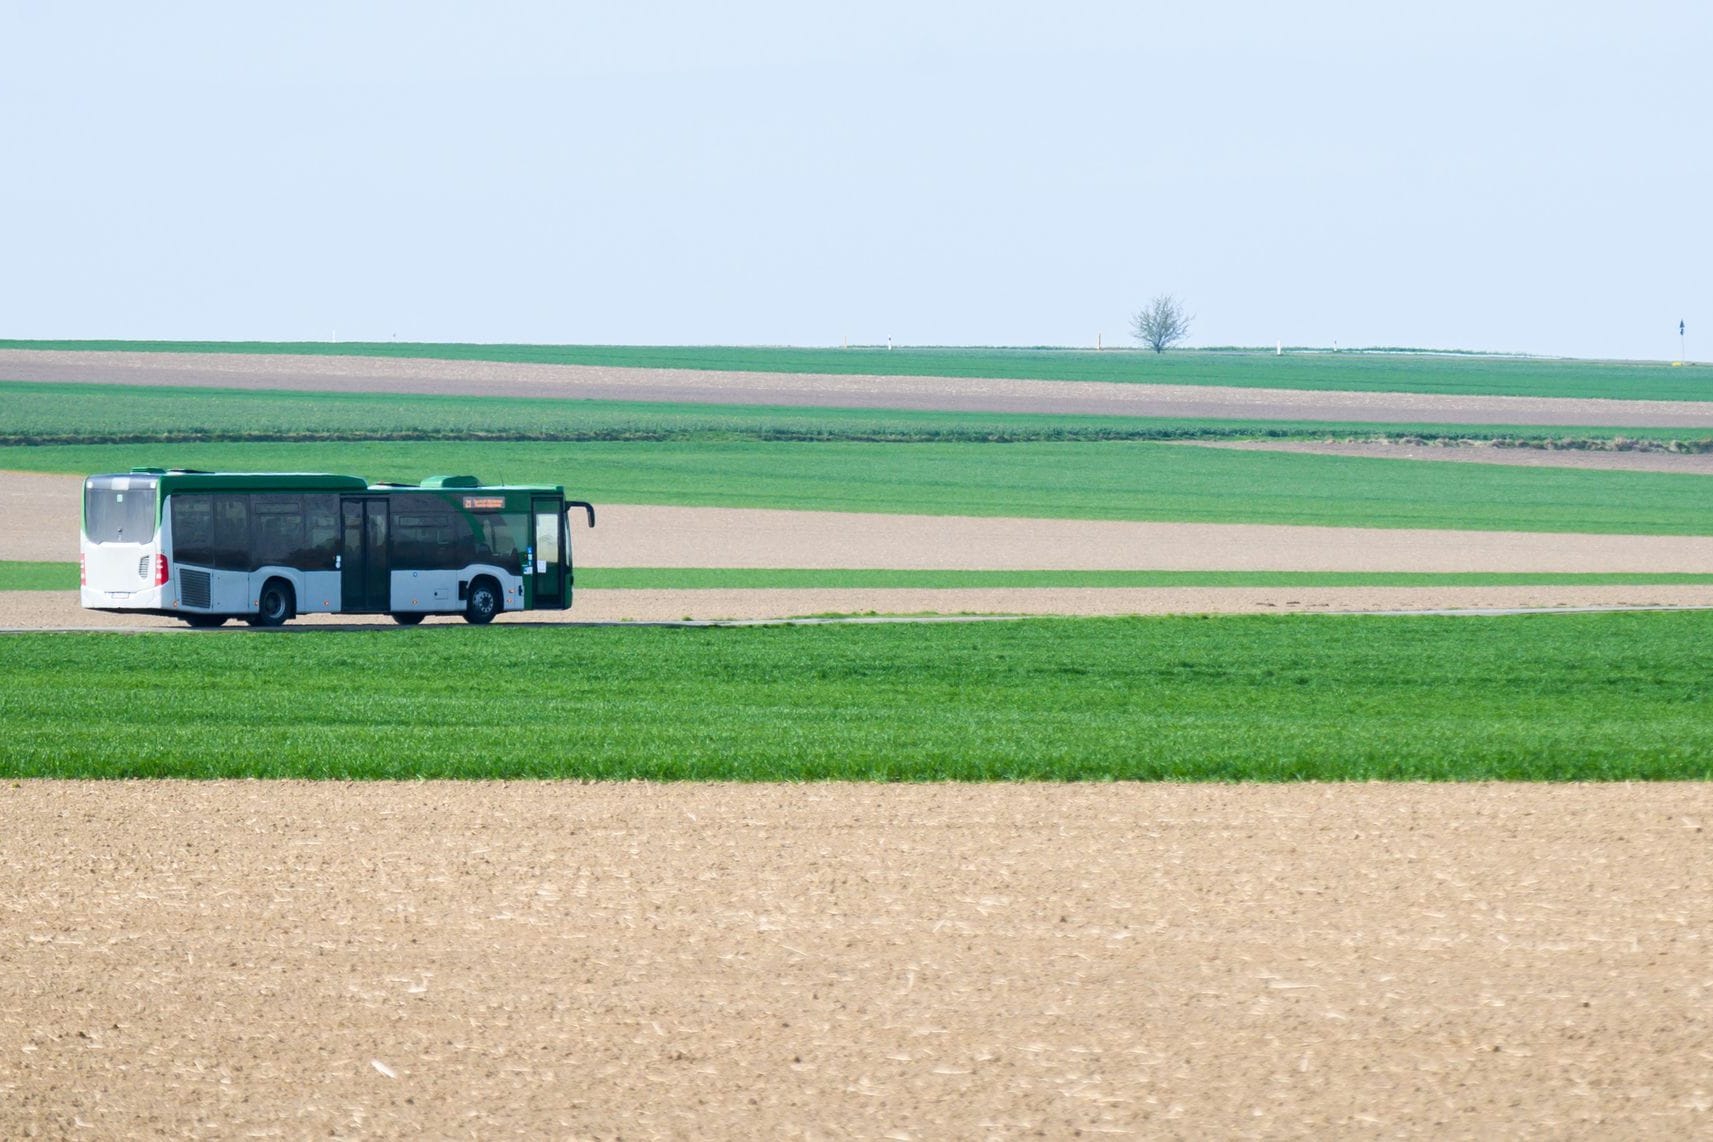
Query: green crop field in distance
x=1094 y=480
x=40 y=413
x=1465 y=374
x=1607 y=697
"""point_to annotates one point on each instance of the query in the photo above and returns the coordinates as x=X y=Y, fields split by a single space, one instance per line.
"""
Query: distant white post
x=1279 y=348
x=1097 y=342
x=1681 y=343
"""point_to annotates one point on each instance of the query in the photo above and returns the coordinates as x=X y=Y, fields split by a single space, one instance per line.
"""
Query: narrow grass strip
x=17 y=575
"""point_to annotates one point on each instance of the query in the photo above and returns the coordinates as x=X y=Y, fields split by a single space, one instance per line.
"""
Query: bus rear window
x=119 y=515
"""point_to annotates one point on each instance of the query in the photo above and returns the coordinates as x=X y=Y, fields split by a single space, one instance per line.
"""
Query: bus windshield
x=115 y=514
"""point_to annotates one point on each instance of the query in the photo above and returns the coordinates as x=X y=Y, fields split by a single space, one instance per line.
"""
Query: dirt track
x=830 y=960
x=487 y=378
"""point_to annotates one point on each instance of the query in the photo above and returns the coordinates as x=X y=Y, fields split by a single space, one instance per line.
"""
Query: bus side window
x=232 y=533
x=505 y=535
x=278 y=529
x=193 y=528
x=321 y=532
x=429 y=534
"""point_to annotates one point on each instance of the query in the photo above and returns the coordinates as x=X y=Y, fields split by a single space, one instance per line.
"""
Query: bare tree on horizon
x=1161 y=323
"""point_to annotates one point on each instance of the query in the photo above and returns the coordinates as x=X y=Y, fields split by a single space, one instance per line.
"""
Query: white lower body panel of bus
x=204 y=591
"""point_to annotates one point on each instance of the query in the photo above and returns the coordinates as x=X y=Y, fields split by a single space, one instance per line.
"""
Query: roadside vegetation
x=1555 y=697
x=1361 y=371
x=1101 y=480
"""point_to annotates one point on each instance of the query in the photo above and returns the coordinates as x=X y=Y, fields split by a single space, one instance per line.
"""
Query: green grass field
x=1364 y=372
x=1557 y=697
x=16 y=576
x=1110 y=480
x=32 y=413
x=24 y=576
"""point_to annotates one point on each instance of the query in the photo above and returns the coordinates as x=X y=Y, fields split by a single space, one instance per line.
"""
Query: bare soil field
x=1484 y=452
x=565 y=960
x=486 y=378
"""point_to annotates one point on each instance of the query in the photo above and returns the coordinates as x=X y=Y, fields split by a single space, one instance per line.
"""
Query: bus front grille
x=193 y=588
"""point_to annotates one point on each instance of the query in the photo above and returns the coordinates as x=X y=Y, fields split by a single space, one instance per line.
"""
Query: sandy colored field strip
x=588 y=382
x=40 y=516
x=632 y=536
x=563 y=960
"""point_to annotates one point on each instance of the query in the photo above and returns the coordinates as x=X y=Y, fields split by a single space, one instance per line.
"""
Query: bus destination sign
x=484 y=503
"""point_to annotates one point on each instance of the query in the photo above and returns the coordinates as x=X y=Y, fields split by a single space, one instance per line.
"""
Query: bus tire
x=275 y=604
x=204 y=620
x=407 y=618
x=483 y=602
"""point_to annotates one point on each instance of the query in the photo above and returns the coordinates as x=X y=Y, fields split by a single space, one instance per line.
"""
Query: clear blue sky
x=1506 y=176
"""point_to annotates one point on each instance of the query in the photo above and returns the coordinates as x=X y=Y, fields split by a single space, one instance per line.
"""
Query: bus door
x=548 y=574
x=365 y=578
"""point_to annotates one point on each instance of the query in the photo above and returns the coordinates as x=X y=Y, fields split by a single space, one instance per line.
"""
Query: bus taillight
x=82 y=569
x=160 y=570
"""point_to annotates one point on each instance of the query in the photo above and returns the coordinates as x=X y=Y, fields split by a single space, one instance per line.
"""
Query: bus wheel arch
x=483 y=600
x=276 y=603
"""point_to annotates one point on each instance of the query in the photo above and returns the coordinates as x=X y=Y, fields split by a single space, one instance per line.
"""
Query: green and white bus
x=267 y=546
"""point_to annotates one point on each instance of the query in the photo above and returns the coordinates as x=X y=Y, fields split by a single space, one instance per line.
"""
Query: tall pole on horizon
x=1681 y=358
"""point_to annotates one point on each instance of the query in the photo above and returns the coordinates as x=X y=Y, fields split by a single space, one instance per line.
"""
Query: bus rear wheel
x=483 y=602
x=407 y=618
x=204 y=620
x=274 y=605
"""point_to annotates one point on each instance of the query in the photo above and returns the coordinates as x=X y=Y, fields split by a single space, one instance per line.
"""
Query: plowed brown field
x=561 y=960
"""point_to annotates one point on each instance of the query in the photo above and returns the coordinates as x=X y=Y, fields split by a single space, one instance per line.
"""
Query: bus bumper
x=146 y=599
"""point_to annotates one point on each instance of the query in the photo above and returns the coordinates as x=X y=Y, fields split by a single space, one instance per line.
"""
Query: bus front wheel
x=407 y=618
x=274 y=606
x=483 y=602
